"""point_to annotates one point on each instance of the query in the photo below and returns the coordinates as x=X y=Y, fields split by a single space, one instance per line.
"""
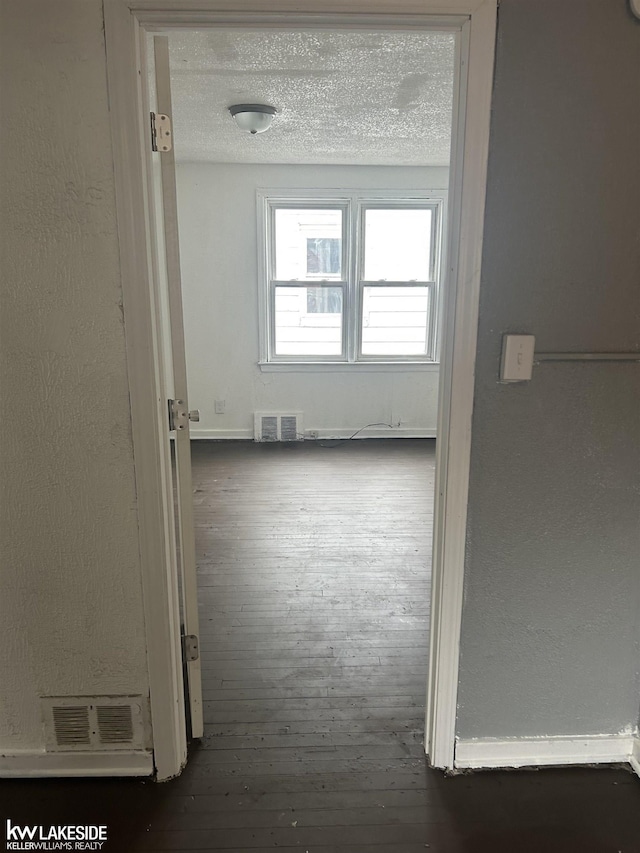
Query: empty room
x=311 y=176
x=320 y=524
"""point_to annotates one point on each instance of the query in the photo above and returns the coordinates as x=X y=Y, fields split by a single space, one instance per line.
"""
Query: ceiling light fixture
x=254 y=118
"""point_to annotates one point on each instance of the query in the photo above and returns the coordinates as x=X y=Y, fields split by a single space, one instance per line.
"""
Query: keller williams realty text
x=48 y=838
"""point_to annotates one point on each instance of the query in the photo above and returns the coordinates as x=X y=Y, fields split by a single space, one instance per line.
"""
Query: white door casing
x=474 y=22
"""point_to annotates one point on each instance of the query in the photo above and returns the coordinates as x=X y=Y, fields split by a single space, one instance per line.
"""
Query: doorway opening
x=454 y=316
x=312 y=287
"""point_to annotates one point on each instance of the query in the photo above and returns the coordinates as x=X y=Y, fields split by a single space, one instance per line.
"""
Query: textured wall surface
x=217 y=208
x=71 y=606
x=550 y=641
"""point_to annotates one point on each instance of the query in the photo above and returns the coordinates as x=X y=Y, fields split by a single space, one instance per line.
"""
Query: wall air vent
x=115 y=723
x=92 y=723
x=268 y=428
x=71 y=725
x=277 y=426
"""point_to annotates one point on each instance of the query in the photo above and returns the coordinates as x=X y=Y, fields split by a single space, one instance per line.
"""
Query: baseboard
x=634 y=761
x=221 y=434
x=32 y=763
x=537 y=752
x=322 y=434
x=373 y=432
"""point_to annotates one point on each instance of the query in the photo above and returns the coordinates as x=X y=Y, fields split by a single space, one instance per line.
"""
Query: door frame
x=125 y=24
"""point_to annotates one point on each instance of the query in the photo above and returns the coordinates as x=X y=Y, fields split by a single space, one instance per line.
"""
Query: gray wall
x=550 y=640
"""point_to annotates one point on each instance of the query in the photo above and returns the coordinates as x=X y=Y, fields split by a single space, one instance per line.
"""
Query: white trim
x=353 y=14
x=374 y=432
x=186 y=12
x=634 y=759
x=148 y=406
x=221 y=434
x=348 y=367
x=32 y=763
x=468 y=173
x=262 y=216
x=476 y=21
x=327 y=195
x=242 y=434
x=537 y=752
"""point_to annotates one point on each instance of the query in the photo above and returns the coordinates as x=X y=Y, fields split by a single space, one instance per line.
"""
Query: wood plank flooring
x=314 y=590
x=314 y=604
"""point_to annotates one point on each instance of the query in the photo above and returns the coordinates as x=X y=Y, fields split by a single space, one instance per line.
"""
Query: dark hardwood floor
x=314 y=605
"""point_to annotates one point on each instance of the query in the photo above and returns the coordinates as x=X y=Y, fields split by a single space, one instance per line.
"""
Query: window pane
x=324 y=300
x=397 y=245
x=308 y=243
x=395 y=320
x=323 y=256
x=303 y=326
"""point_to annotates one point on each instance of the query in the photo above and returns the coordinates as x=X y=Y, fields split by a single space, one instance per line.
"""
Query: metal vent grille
x=288 y=428
x=269 y=431
x=275 y=426
x=71 y=725
x=94 y=723
x=115 y=723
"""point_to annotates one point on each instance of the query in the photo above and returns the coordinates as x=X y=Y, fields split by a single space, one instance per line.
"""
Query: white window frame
x=267 y=206
x=354 y=204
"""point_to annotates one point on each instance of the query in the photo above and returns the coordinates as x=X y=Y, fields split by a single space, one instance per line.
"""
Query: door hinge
x=161 y=138
x=190 y=647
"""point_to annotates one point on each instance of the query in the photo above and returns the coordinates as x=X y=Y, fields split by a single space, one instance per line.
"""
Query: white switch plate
x=517 y=358
x=218 y=406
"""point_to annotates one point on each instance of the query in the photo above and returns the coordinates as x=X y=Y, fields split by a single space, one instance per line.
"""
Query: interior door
x=171 y=334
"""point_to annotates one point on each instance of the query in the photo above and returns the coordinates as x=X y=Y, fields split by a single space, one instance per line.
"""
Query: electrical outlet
x=312 y=433
x=218 y=406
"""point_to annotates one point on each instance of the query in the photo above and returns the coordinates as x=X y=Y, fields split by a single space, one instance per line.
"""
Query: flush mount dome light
x=254 y=118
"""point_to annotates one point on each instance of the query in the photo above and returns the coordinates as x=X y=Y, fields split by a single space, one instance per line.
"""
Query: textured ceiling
x=342 y=97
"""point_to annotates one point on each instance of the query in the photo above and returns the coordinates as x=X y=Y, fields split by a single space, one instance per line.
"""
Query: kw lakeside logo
x=71 y=837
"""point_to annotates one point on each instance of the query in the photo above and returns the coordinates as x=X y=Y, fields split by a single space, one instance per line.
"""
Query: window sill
x=348 y=367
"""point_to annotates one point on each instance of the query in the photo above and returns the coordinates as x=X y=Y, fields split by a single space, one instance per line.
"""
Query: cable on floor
x=341 y=442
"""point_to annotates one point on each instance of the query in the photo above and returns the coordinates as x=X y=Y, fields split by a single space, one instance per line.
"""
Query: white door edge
x=182 y=445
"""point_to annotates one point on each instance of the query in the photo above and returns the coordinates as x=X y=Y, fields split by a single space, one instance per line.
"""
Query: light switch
x=517 y=358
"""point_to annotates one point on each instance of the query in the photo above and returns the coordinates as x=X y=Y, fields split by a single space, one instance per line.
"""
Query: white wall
x=71 y=604
x=217 y=212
